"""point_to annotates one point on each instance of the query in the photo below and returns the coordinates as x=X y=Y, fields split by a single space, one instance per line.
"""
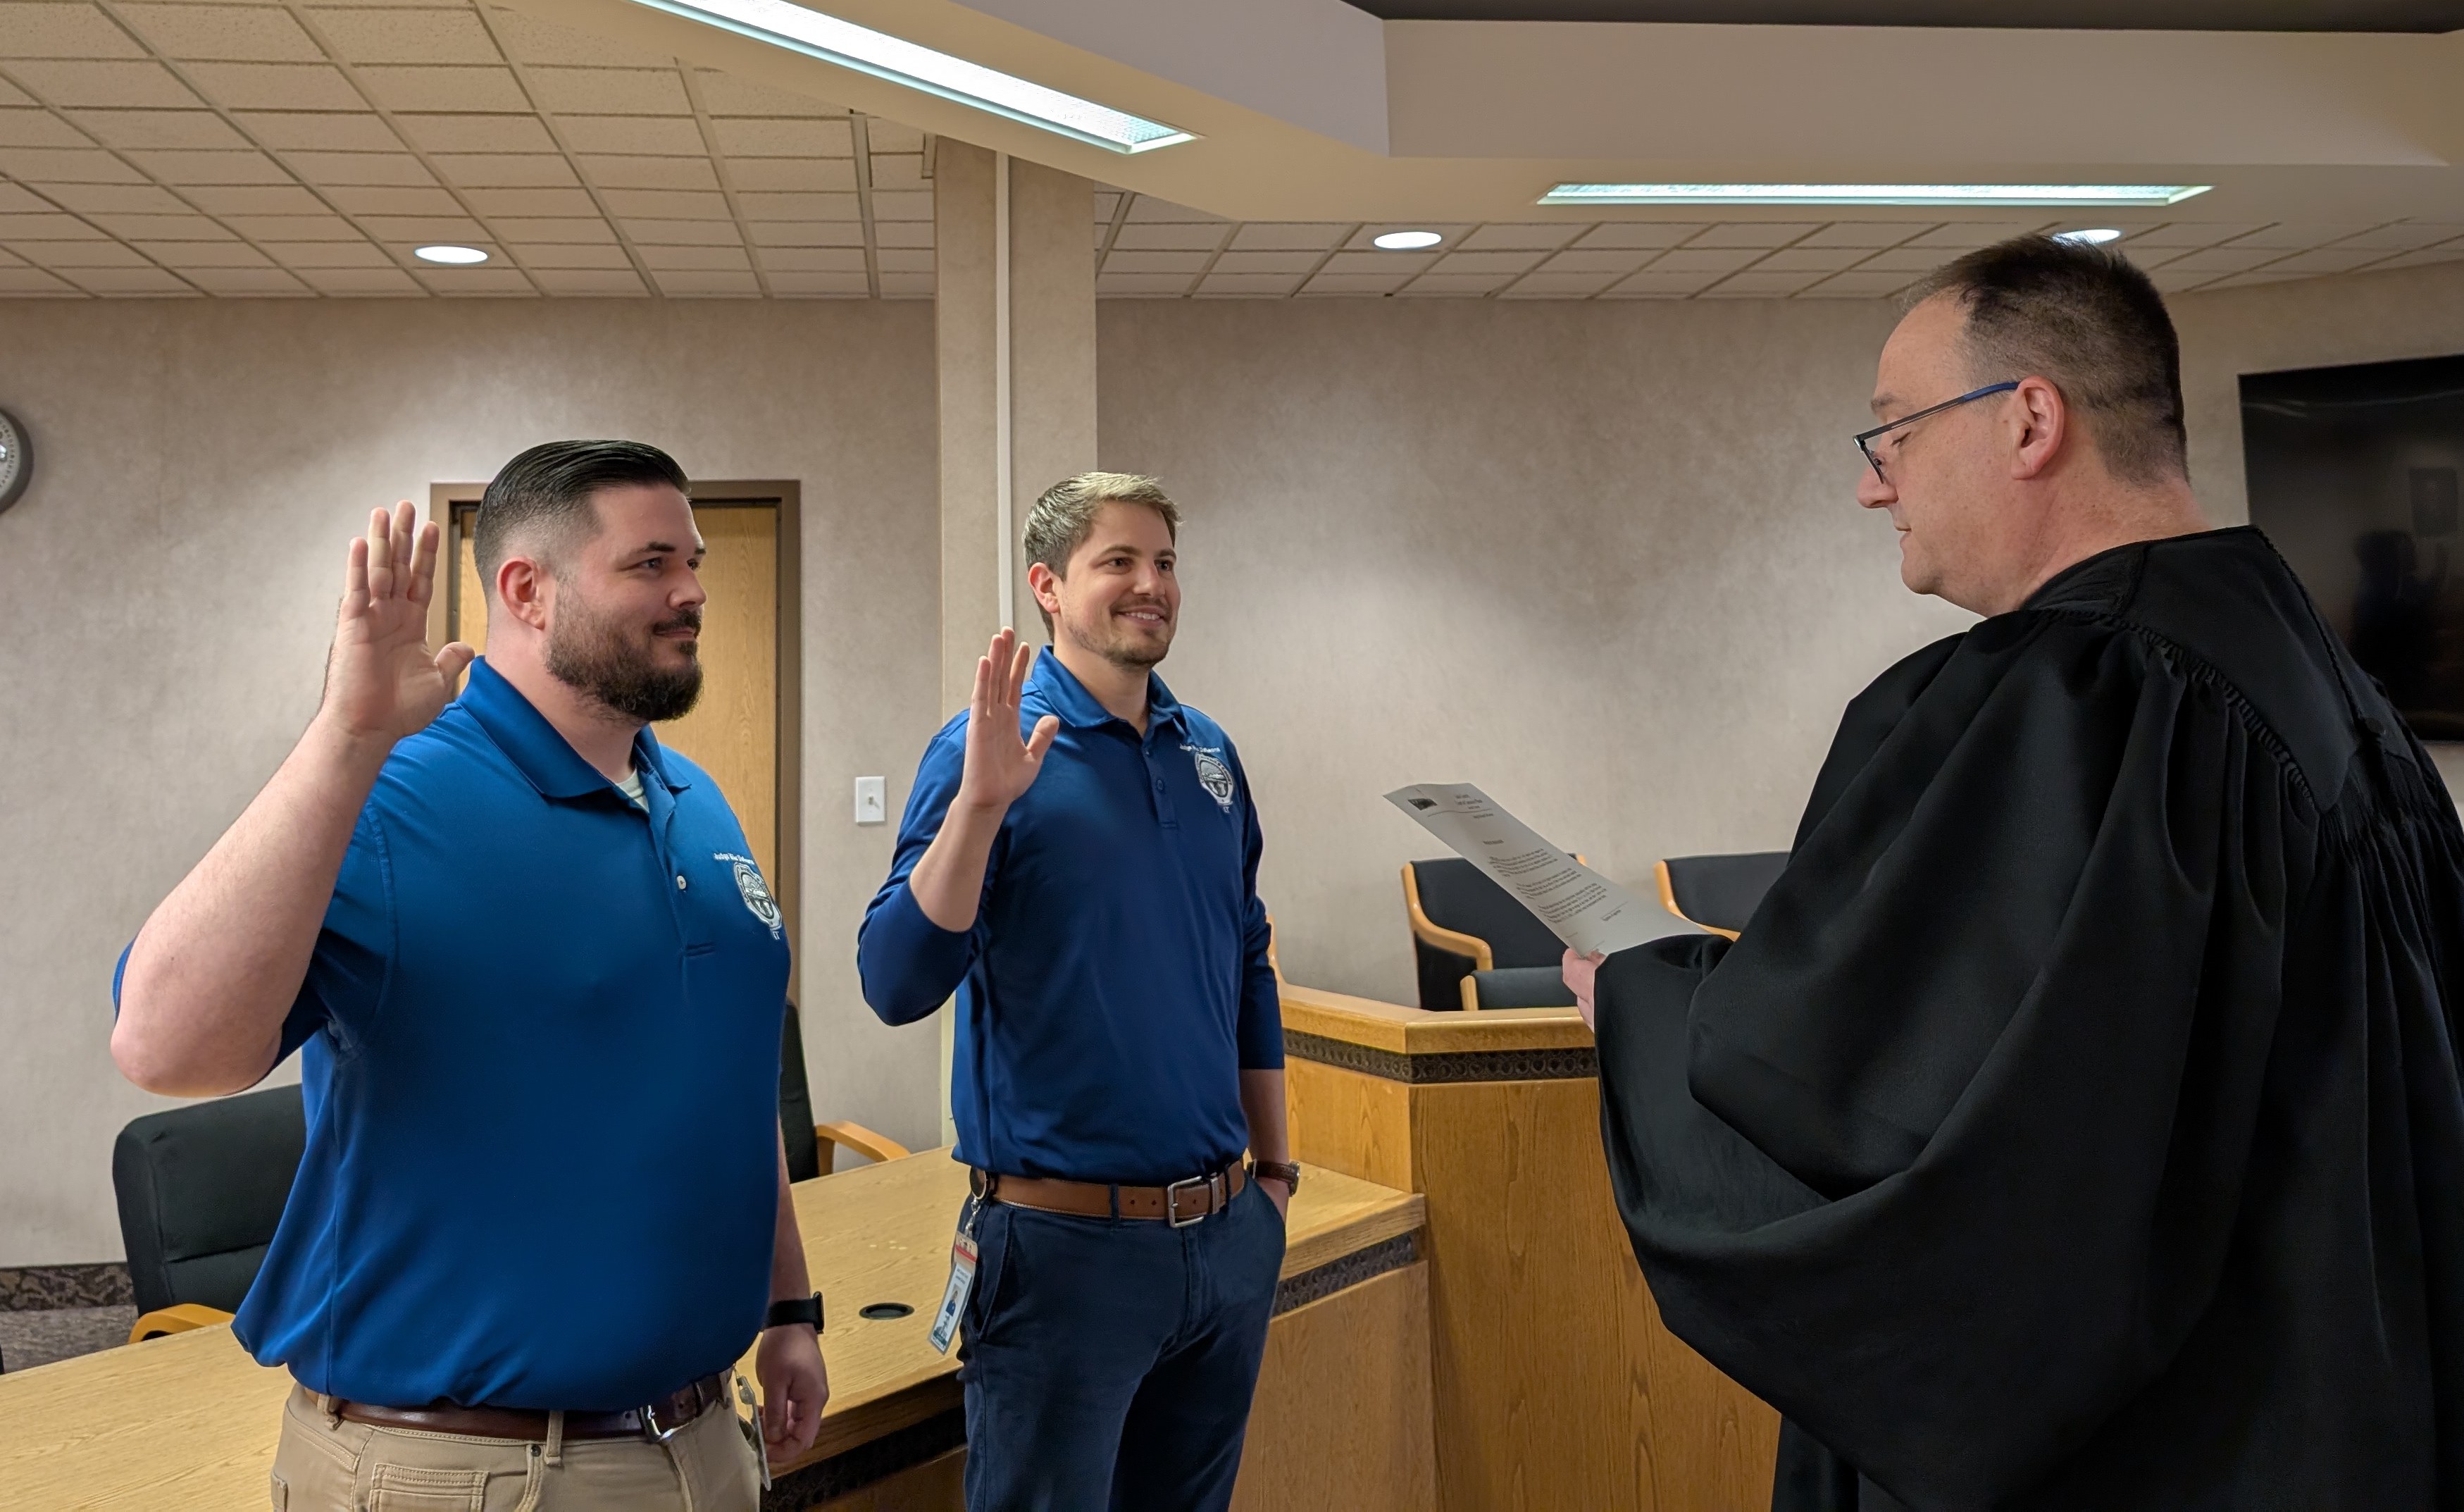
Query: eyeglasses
x=1865 y=439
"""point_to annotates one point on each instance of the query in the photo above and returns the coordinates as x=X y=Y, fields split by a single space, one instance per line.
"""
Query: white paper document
x=1580 y=906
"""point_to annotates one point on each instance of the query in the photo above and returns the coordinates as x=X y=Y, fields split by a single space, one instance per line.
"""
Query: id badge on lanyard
x=962 y=1281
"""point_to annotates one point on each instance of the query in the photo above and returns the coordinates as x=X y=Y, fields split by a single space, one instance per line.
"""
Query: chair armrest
x=1668 y=901
x=1453 y=941
x=856 y=1137
x=180 y=1319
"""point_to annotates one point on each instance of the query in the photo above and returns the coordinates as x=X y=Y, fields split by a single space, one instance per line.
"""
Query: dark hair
x=547 y=490
x=2091 y=323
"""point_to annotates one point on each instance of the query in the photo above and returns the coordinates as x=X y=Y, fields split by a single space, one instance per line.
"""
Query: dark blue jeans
x=1108 y=1362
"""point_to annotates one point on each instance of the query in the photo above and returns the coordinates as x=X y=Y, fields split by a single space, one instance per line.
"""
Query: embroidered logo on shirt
x=755 y=892
x=1213 y=775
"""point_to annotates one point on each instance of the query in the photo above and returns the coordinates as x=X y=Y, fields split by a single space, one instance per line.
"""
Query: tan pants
x=325 y=1464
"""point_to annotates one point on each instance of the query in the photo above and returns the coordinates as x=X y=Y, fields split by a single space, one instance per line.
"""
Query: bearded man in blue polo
x=1078 y=863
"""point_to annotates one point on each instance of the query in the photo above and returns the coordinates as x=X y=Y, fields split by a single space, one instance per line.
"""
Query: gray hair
x=1063 y=519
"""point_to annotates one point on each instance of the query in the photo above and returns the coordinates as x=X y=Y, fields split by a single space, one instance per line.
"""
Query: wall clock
x=16 y=462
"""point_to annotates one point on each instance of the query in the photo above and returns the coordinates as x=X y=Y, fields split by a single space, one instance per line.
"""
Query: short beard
x=1121 y=650
x=596 y=656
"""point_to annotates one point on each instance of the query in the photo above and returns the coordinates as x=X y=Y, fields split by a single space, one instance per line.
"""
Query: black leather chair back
x=201 y=1189
x=1455 y=894
x=796 y=1103
x=1722 y=892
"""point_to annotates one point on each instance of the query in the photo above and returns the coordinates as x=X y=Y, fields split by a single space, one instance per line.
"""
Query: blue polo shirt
x=539 y=1055
x=1115 y=983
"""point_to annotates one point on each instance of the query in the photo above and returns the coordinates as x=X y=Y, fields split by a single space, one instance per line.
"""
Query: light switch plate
x=871 y=800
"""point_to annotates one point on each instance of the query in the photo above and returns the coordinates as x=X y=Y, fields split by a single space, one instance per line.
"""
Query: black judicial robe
x=2078 y=1123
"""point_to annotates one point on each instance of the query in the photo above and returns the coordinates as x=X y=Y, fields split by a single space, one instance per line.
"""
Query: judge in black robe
x=2077 y=1123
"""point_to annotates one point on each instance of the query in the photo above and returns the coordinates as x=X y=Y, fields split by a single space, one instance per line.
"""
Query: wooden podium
x=1555 y=1383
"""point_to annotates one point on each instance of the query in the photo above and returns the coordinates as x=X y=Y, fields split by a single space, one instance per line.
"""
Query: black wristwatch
x=795 y=1310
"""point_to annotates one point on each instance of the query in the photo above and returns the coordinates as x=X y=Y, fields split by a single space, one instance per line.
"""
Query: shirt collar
x=1066 y=696
x=538 y=750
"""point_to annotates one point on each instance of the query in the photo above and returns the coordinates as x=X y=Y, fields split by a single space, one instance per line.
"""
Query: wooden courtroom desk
x=1557 y=1385
x=188 y=1423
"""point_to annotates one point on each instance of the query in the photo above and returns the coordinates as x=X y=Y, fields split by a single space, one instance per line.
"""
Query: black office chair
x=201 y=1189
x=1718 y=893
x=1474 y=945
x=812 y=1147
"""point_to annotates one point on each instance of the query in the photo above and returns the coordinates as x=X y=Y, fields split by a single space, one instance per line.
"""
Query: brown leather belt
x=1181 y=1203
x=656 y=1420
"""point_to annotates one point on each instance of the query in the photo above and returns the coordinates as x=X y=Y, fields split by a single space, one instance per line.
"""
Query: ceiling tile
x=82 y=254
x=43 y=225
x=784 y=139
x=662 y=259
x=1522 y=239
x=1249 y=287
x=1651 y=285
x=888 y=136
x=1640 y=233
x=66 y=166
x=1964 y=235
x=68 y=84
x=813 y=260
x=813 y=174
x=136 y=229
x=1170 y=237
x=187 y=255
x=903 y=205
x=328 y=255
x=1261 y=262
x=1910 y=260
x=473 y=282
x=424 y=229
x=357 y=131
x=1375 y=264
x=1457 y=264
x=89 y=199
x=130 y=281
x=524 y=133
x=1588 y=261
x=1181 y=263
x=224 y=33
x=1857 y=285
x=438 y=88
x=363 y=283
x=681 y=232
x=393 y=170
x=1148 y=208
x=17 y=201
x=536 y=41
x=1453 y=285
x=160 y=128
x=645 y=136
x=2404 y=235
x=210 y=167
x=903 y=234
x=531 y=202
x=2449 y=252
x=294 y=228
x=827 y=286
x=63 y=31
x=760 y=206
x=614 y=282
x=679 y=203
x=34 y=282
x=255 y=283
x=262 y=199
x=536 y=255
x=1753 y=234
x=556 y=230
x=1354 y=283
x=359 y=200
x=1690 y=259
x=1142 y=285
x=505 y=170
x=898 y=171
x=649 y=173
x=804 y=232
x=2328 y=260
x=2297 y=236
x=1760 y=285
x=1284 y=237
x=39 y=128
x=1809 y=259
x=2192 y=233
x=12 y=95
x=2223 y=259
x=610 y=91
x=1547 y=285
x=2246 y=281
x=907 y=286
x=278 y=86
x=904 y=259
x=408 y=37
x=1874 y=234
x=708 y=285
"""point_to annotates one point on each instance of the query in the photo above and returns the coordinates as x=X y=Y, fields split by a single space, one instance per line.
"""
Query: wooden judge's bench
x=1461 y=1324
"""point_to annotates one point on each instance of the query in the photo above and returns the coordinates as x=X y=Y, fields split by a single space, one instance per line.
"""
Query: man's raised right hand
x=382 y=682
x=1001 y=765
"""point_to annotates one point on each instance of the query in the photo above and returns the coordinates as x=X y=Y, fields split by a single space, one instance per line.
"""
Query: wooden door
x=742 y=730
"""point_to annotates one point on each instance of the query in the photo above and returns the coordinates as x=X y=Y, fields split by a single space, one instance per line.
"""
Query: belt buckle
x=657 y=1433
x=1171 y=1202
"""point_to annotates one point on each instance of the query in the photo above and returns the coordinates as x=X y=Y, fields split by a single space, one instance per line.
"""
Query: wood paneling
x=1345 y=1120
x=1342 y=1419
x=936 y=1485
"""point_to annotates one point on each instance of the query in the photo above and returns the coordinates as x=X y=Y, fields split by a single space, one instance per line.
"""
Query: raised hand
x=1001 y=765
x=382 y=682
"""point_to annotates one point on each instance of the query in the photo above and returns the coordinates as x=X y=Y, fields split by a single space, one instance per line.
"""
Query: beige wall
x=166 y=592
x=1601 y=558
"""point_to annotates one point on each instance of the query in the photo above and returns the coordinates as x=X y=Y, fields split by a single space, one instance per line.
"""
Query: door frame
x=788 y=780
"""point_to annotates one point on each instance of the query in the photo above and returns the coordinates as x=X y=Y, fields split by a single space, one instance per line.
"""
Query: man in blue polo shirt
x=536 y=985
x=1079 y=863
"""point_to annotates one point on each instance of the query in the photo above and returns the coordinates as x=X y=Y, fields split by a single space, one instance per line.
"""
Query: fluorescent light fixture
x=2096 y=238
x=902 y=62
x=458 y=256
x=1406 y=240
x=1872 y=193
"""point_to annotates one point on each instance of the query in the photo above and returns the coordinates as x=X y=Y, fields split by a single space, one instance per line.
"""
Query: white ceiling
x=273 y=147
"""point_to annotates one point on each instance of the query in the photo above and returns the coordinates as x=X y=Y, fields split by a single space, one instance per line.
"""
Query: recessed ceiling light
x=903 y=62
x=2096 y=238
x=1872 y=193
x=458 y=256
x=1405 y=240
